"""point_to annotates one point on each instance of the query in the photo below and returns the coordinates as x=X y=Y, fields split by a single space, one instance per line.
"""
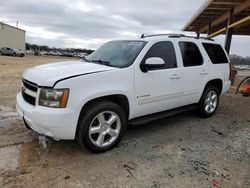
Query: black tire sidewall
x=201 y=105
x=87 y=117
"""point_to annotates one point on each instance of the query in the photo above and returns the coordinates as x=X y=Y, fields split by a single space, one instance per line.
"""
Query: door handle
x=175 y=76
x=203 y=72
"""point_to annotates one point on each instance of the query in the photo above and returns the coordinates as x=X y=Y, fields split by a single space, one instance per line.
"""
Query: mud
x=179 y=151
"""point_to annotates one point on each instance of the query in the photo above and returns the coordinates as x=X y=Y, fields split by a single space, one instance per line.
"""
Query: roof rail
x=176 y=36
x=195 y=37
x=163 y=34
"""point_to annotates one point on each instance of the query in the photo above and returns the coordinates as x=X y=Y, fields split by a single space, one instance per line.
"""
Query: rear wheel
x=101 y=126
x=209 y=101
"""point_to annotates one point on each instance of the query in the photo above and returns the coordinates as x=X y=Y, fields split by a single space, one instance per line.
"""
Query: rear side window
x=215 y=53
x=164 y=50
x=191 y=54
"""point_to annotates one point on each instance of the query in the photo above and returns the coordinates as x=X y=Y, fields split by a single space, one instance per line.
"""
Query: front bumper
x=58 y=123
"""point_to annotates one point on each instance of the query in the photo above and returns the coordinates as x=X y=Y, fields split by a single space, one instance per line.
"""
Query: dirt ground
x=180 y=151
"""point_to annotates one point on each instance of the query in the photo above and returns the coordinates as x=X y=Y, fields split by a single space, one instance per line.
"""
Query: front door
x=158 y=89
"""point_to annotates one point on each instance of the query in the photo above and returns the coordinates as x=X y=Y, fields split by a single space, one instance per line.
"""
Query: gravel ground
x=179 y=151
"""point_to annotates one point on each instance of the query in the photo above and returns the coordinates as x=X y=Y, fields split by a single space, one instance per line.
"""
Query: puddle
x=12 y=157
x=7 y=117
x=16 y=154
x=9 y=158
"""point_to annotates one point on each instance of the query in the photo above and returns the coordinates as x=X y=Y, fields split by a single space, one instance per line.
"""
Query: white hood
x=48 y=74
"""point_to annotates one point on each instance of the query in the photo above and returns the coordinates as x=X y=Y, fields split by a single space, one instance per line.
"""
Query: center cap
x=104 y=127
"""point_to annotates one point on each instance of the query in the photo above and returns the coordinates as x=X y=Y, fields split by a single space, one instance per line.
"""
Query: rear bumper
x=226 y=86
x=52 y=122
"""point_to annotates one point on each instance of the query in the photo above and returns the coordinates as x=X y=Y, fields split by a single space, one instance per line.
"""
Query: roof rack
x=176 y=36
x=163 y=34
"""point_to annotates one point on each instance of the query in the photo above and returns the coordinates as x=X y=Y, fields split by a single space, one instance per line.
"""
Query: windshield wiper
x=85 y=59
x=101 y=62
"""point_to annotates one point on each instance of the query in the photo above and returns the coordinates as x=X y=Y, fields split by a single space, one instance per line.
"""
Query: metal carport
x=217 y=17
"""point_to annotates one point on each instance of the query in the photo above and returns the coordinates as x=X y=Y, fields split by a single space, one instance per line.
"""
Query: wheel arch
x=216 y=83
x=119 y=99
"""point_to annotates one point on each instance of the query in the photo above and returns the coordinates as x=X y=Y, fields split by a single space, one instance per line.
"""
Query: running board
x=160 y=115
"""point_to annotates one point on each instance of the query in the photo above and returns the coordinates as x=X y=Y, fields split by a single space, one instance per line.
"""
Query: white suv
x=123 y=82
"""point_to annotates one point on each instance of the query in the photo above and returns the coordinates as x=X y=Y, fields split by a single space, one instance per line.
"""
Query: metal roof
x=214 y=14
x=1 y=23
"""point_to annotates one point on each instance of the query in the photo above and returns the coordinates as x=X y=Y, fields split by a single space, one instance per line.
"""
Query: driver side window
x=164 y=50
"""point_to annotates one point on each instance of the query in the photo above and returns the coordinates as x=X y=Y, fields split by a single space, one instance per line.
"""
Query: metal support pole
x=229 y=33
x=209 y=29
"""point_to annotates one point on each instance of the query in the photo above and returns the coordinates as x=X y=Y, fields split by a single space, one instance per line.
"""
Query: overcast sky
x=90 y=23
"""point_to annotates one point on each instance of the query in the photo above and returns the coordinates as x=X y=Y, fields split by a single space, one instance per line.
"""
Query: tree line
x=239 y=60
x=36 y=47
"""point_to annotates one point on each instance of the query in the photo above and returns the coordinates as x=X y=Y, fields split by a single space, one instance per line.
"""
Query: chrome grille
x=29 y=92
x=30 y=85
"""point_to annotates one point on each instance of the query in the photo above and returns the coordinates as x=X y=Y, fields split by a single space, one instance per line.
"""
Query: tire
x=14 y=54
x=246 y=94
x=209 y=102
x=104 y=136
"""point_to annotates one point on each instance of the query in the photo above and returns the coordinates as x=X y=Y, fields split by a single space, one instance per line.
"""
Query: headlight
x=54 y=98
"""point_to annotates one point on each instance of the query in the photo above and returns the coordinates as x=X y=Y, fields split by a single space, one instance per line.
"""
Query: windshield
x=117 y=53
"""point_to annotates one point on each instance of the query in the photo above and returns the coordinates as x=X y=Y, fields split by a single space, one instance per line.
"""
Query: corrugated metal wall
x=11 y=37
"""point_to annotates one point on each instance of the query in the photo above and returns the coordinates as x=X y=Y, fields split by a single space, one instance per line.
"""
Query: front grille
x=30 y=85
x=31 y=92
x=29 y=99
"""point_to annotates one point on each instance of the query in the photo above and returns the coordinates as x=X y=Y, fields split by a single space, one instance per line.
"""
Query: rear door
x=158 y=89
x=194 y=72
x=219 y=60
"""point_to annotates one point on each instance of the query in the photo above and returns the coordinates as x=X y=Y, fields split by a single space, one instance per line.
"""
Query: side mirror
x=152 y=63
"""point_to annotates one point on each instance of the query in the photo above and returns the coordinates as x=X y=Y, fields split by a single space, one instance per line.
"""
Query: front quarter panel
x=88 y=87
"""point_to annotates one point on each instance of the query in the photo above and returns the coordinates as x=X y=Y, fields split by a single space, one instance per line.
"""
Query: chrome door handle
x=175 y=76
x=203 y=72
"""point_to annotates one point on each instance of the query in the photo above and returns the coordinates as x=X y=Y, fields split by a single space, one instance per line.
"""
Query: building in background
x=11 y=37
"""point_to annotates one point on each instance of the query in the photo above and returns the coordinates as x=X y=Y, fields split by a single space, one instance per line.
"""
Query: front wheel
x=209 y=101
x=101 y=126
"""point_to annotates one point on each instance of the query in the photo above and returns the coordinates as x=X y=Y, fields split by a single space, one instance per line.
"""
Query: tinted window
x=215 y=53
x=191 y=55
x=164 y=50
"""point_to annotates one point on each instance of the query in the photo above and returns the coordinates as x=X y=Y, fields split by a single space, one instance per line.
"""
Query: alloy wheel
x=211 y=102
x=105 y=128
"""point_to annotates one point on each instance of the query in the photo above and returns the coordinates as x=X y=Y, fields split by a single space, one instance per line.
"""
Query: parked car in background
x=30 y=52
x=242 y=67
x=11 y=52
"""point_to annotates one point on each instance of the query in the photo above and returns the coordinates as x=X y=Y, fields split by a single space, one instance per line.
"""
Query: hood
x=49 y=74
